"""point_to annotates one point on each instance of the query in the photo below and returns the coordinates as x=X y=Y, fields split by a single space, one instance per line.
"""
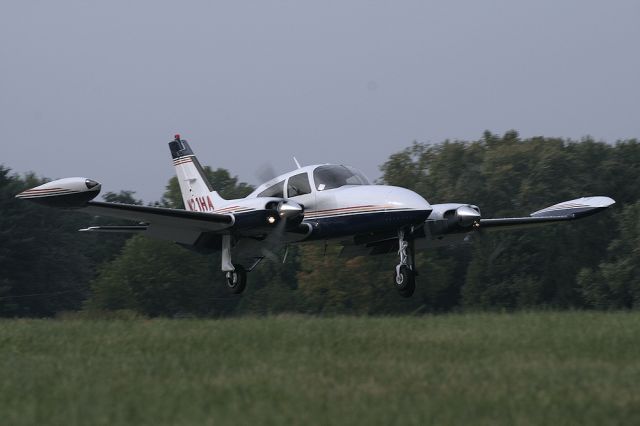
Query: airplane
x=317 y=203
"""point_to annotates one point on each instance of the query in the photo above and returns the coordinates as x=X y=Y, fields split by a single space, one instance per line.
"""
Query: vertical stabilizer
x=197 y=193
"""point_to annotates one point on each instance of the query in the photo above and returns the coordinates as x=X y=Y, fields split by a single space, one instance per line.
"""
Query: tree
x=615 y=282
x=588 y=263
x=43 y=262
x=104 y=247
x=509 y=176
x=159 y=278
x=156 y=278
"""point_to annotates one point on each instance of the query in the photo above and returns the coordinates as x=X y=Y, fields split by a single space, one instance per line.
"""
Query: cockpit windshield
x=330 y=177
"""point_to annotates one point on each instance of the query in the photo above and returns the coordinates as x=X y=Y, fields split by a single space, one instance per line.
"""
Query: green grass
x=529 y=368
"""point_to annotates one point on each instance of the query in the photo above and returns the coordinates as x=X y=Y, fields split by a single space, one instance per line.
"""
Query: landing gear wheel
x=405 y=281
x=404 y=277
x=237 y=280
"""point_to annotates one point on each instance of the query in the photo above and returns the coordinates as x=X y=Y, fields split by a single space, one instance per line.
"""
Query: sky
x=97 y=89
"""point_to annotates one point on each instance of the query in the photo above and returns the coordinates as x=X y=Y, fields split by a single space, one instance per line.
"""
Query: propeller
x=274 y=241
x=467 y=216
x=285 y=213
x=290 y=210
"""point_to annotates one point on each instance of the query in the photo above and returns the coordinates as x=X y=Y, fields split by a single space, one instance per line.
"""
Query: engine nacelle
x=456 y=215
x=72 y=192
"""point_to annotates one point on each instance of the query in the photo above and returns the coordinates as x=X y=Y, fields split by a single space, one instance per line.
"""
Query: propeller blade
x=275 y=240
x=268 y=254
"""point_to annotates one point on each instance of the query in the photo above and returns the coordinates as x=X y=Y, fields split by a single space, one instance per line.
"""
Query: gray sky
x=98 y=88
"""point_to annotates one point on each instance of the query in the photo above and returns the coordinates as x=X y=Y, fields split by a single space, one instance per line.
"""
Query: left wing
x=567 y=210
x=451 y=224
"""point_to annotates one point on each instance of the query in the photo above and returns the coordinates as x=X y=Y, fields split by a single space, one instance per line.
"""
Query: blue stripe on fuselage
x=347 y=225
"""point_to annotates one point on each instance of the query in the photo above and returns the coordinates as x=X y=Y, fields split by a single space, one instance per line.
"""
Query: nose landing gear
x=405 y=274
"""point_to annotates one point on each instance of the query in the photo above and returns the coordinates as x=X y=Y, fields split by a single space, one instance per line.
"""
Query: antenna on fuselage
x=297 y=163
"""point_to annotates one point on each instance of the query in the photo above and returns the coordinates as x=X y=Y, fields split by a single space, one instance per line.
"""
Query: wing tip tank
x=66 y=193
x=578 y=207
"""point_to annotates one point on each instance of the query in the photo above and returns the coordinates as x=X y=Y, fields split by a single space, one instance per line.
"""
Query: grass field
x=530 y=368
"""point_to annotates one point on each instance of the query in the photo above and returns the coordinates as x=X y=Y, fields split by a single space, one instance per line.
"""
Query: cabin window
x=330 y=177
x=298 y=185
x=276 y=190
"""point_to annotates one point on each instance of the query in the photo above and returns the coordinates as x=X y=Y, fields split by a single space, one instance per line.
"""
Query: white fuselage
x=348 y=209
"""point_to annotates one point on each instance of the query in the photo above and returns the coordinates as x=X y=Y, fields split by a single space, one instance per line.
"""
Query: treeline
x=46 y=267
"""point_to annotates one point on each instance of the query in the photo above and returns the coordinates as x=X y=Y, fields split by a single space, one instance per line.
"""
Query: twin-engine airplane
x=312 y=203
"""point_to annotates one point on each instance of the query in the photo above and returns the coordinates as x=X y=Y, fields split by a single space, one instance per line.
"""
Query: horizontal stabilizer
x=132 y=229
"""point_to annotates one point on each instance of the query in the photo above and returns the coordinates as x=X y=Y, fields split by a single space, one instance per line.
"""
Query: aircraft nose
x=405 y=198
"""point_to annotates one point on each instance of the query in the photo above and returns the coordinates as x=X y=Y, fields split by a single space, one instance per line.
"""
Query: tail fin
x=197 y=192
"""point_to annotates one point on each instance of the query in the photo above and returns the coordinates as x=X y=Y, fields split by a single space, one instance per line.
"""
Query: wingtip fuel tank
x=71 y=192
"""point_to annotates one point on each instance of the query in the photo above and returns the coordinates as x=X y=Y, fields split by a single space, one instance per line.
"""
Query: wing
x=567 y=210
x=452 y=224
x=180 y=226
x=194 y=228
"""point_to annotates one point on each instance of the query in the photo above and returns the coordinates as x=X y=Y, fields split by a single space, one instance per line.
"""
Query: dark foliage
x=592 y=263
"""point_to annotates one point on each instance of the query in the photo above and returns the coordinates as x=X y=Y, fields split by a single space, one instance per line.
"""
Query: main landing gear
x=236 y=274
x=404 y=277
x=237 y=279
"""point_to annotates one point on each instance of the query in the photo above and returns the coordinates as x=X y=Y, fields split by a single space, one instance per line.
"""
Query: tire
x=237 y=280
x=405 y=282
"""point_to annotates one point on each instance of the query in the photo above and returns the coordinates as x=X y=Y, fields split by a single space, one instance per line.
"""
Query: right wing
x=194 y=228
x=181 y=226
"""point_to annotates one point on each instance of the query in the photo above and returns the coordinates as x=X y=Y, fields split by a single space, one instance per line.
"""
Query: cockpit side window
x=298 y=185
x=276 y=190
x=330 y=177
